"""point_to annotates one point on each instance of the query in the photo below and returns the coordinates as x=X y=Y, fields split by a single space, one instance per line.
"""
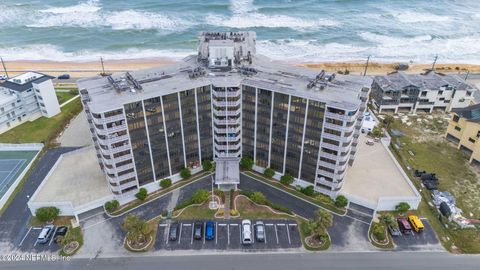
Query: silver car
x=260 y=231
x=246 y=232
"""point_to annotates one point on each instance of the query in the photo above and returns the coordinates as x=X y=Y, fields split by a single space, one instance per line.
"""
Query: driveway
x=14 y=221
x=348 y=233
x=103 y=235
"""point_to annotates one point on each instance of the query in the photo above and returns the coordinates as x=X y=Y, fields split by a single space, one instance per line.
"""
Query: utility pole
x=366 y=66
x=103 y=68
x=4 y=68
x=466 y=75
x=434 y=61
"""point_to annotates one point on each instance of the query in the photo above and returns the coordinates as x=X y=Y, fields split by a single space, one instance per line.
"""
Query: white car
x=3 y=77
x=246 y=232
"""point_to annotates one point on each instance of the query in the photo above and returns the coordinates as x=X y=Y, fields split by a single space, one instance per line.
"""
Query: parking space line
x=269 y=224
x=222 y=224
x=163 y=225
x=253 y=234
x=204 y=231
x=228 y=235
x=187 y=224
x=240 y=231
x=288 y=235
x=234 y=224
x=168 y=233
x=23 y=239
x=292 y=224
x=216 y=232
x=280 y=224
x=265 y=236
x=276 y=233
x=53 y=236
x=191 y=240
x=180 y=234
x=36 y=242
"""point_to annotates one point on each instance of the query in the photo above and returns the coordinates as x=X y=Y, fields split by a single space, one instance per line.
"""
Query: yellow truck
x=417 y=224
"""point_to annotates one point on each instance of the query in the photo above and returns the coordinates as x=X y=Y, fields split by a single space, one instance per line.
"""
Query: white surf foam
x=251 y=20
x=143 y=20
x=54 y=53
x=393 y=41
x=83 y=7
x=242 y=6
x=416 y=17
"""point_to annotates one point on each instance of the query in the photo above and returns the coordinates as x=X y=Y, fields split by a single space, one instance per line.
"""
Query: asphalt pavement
x=14 y=221
x=276 y=261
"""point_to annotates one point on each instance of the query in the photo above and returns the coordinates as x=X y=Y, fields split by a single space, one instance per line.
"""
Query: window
x=457 y=128
x=469 y=93
x=456 y=118
x=441 y=99
x=478 y=134
x=424 y=93
x=471 y=140
x=440 y=93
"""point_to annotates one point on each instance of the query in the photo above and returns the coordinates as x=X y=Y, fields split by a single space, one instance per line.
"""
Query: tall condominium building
x=225 y=103
x=399 y=91
x=26 y=97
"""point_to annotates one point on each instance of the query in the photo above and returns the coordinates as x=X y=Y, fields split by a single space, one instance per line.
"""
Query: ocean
x=291 y=30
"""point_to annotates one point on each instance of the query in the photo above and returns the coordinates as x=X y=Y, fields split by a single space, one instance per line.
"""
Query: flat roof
x=342 y=92
x=77 y=179
x=375 y=174
x=24 y=81
x=429 y=80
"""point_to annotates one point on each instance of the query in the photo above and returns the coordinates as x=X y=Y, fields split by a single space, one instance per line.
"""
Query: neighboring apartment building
x=26 y=97
x=464 y=131
x=222 y=104
x=401 y=92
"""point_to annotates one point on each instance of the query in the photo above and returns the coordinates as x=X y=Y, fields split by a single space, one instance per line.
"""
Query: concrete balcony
x=227 y=139
x=226 y=103
x=327 y=165
x=226 y=94
x=341 y=117
x=329 y=156
x=120 y=149
x=227 y=122
x=333 y=126
x=325 y=173
x=227 y=112
x=111 y=130
x=226 y=130
x=229 y=148
x=125 y=176
x=114 y=118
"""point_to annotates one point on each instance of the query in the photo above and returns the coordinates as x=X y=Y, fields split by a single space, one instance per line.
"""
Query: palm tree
x=324 y=217
x=137 y=228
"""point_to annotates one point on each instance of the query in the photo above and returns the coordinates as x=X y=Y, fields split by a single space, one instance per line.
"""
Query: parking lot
x=417 y=241
x=279 y=234
x=29 y=242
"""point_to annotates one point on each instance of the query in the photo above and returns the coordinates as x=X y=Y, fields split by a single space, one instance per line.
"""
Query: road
x=297 y=261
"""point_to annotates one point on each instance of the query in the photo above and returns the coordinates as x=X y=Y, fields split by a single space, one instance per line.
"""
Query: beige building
x=464 y=131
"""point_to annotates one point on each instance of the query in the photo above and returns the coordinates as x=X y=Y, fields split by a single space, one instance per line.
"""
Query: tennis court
x=12 y=164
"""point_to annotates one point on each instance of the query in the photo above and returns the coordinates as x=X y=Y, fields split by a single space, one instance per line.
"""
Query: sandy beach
x=85 y=69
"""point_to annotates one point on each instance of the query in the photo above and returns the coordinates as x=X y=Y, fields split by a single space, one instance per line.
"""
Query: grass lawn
x=250 y=210
x=455 y=175
x=42 y=129
x=75 y=234
x=64 y=96
x=196 y=212
x=59 y=221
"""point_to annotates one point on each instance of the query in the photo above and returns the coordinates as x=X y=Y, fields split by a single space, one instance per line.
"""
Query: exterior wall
x=468 y=136
x=18 y=107
x=47 y=98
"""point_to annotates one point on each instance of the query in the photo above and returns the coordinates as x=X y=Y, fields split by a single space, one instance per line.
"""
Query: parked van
x=404 y=225
x=45 y=234
x=416 y=223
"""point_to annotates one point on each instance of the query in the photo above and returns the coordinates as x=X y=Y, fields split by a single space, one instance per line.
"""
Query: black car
x=64 y=77
x=198 y=230
x=173 y=233
x=61 y=231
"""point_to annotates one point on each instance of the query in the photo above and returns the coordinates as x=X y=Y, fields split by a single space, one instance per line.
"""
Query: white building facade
x=26 y=97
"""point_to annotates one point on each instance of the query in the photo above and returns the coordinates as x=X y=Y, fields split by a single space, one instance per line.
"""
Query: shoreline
x=92 y=68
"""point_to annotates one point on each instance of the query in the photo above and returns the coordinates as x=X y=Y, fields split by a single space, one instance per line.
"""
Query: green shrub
x=220 y=194
x=402 y=207
x=200 y=196
x=45 y=214
x=111 y=206
x=269 y=173
x=246 y=163
x=246 y=193
x=324 y=198
x=183 y=204
x=286 y=179
x=207 y=165
x=185 y=173
x=280 y=208
x=378 y=231
x=165 y=183
x=258 y=198
x=309 y=191
x=142 y=194
x=341 y=201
